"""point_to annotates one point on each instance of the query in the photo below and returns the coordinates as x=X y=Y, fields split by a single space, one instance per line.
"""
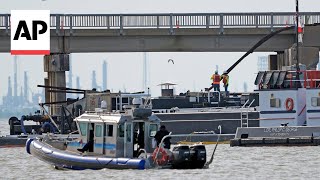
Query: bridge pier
x=56 y=65
x=308 y=56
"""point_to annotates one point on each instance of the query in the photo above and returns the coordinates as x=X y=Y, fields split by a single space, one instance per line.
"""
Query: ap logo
x=30 y=32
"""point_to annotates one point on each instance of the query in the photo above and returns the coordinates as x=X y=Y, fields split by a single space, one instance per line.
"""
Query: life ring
x=162 y=154
x=289 y=104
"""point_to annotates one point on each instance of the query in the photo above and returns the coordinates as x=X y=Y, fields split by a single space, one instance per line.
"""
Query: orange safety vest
x=225 y=79
x=216 y=78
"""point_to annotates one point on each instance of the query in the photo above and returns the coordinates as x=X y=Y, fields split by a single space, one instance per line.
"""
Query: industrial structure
x=104 y=75
x=14 y=104
x=94 y=81
x=94 y=84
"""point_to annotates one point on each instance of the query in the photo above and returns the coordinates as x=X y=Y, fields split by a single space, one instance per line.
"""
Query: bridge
x=193 y=32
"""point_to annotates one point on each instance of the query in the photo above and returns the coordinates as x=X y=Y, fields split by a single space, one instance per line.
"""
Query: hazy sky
x=191 y=71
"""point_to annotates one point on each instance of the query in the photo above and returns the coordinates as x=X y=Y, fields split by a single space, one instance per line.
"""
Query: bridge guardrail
x=173 y=20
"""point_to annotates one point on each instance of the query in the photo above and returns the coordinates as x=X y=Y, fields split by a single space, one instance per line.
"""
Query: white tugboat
x=289 y=110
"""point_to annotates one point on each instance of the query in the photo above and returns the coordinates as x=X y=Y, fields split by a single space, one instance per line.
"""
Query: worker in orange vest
x=215 y=81
x=225 y=80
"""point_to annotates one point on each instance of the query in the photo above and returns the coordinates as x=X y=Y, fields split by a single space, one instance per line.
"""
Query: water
x=229 y=163
x=4 y=126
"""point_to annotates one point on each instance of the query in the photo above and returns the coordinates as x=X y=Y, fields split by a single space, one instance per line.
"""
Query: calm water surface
x=229 y=163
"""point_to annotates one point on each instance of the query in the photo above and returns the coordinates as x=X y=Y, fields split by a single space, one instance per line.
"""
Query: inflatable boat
x=70 y=160
x=117 y=141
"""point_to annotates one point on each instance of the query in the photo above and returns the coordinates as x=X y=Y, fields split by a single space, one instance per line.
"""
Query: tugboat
x=117 y=141
x=289 y=110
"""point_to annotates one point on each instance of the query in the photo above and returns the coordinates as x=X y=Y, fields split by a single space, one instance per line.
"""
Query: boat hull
x=12 y=142
x=68 y=160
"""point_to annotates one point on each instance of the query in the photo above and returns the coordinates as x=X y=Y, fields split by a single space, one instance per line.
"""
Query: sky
x=191 y=71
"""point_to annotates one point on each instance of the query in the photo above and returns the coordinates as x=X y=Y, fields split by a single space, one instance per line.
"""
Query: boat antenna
x=297 y=41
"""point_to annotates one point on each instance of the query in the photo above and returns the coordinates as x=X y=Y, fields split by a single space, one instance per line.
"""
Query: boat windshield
x=83 y=128
x=121 y=130
x=98 y=131
x=153 y=130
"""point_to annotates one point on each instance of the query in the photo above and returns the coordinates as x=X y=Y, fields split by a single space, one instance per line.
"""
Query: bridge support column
x=308 y=56
x=56 y=65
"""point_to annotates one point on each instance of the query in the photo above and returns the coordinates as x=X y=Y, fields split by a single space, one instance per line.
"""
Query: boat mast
x=297 y=41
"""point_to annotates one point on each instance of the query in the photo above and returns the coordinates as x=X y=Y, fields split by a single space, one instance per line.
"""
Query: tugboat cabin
x=286 y=99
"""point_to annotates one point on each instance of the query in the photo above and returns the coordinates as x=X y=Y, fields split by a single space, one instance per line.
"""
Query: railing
x=127 y=95
x=244 y=105
x=307 y=79
x=174 y=20
x=50 y=117
x=245 y=113
x=213 y=92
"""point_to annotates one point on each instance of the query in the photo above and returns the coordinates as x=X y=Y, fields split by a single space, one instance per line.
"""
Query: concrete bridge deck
x=213 y=32
x=159 y=40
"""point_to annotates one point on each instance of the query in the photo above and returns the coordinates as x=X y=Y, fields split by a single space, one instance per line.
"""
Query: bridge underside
x=160 y=40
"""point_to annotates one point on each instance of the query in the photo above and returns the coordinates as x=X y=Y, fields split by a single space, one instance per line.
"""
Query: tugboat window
x=121 y=130
x=153 y=128
x=315 y=101
x=83 y=128
x=110 y=130
x=98 y=131
x=275 y=102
